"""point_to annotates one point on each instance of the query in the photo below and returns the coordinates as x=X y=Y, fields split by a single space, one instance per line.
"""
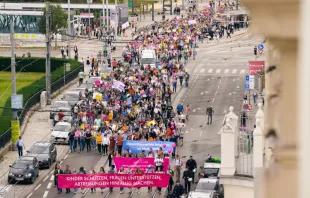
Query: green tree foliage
x=58 y=19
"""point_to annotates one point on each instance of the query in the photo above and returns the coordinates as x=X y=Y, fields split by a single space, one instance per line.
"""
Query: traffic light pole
x=153 y=11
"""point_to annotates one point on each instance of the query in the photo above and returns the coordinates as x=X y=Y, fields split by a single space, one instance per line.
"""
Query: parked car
x=72 y=97
x=25 y=169
x=60 y=133
x=67 y=113
x=57 y=105
x=211 y=168
x=45 y=152
x=211 y=187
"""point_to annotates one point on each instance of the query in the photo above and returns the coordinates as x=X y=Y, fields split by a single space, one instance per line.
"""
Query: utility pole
x=153 y=10
x=132 y=7
x=116 y=19
x=48 y=53
x=108 y=19
x=89 y=34
x=69 y=31
x=13 y=66
x=237 y=4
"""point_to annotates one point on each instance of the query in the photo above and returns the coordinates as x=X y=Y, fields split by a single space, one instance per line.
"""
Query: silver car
x=60 y=133
x=72 y=97
x=57 y=105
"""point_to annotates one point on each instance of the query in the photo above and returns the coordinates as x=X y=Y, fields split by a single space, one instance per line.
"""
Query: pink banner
x=256 y=66
x=142 y=163
x=112 y=180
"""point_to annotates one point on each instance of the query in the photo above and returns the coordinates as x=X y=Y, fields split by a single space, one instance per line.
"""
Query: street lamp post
x=69 y=31
x=89 y=2
x=116 y=19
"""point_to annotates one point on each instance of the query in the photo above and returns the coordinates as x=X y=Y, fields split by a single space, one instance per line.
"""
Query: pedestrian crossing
x=221 y=71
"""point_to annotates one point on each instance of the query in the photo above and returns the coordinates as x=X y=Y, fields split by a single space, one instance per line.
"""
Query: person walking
x=187 y=176
x=67 y=51
x=20 y=146
x=191 y=165
x=171 y=182
x=74 y=189
x=81 y=77
x=62 y=52
x=67 y=171
x=56 y=173
x=121 y=171
x=111 y=171
x=71 y=135
x=138 y=172
x=177 y=168
x=174 y=84
x=178 y=189
x=210 y=113
x=186 y=79
x=82 y=171
x=105 y=144
x=99 y=142
x=149 y=170
x=187 y=110
x=194 y=53
x=255 y=98
x=88 y=137
x=92 y=171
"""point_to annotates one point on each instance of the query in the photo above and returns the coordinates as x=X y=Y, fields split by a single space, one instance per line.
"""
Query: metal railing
x=35 y=99
x=244 y=159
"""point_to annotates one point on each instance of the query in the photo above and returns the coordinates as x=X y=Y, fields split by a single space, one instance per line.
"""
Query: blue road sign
x=247 y=78
x=247 y=86
x=260 y=46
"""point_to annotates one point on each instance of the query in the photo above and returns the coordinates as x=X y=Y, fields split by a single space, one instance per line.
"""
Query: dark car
x=45 y=152
x=25 y=169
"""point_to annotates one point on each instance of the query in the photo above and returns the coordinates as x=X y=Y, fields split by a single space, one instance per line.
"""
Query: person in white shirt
x=20 y=146
x=158 y=163
x=105 y=144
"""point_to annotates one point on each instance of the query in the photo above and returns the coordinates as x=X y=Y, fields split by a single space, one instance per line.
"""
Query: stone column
x=278 y=21
x=233 y=122
x=227 y=133
x=258 y=155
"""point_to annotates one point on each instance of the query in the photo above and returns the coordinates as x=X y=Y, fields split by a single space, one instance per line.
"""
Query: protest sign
x=112 y=180
x=141 y=163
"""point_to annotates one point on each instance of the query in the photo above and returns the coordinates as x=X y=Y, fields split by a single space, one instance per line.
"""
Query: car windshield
x=21 y=164
x=71 y=97
x=205 y=186
x=63 y=128
x=211 y=171
x=40 y=150
x=59 y=104
x=146 y=61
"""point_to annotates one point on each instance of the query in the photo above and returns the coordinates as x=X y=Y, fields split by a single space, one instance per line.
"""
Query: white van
x=148 y=57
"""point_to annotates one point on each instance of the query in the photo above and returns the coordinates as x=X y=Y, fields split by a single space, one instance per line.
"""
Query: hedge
x=57 y=68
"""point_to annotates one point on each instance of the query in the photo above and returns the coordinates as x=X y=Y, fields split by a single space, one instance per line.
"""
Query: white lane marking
x=200 y=133
x=213 y=99
x=215 y=93
x=45 y=194
x=52 y=171
x=218 y=87
x=220 y=81
x=210 y=71
x=208 y=79
x=218 y=71
x=37 y=187
x=238 y=87
x=52 y=177
x=196 y=78
x=66 y=157
x=29 y=195
x=195 y=71
x=234 y=71
x=242 y=71
x=229 y=94
x=49 y=185
x=61 y=162
x=234 y=79
x=226 y=71
x=202 y=70
x=45 y=179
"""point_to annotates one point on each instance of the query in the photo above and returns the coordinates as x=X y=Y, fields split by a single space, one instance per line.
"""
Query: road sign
x=17 y=101
x=256 y=66
x=247 y=78
x=247 y=86
x=247 y=82
x=260 y=46
x=68 y=68
x=251 y=81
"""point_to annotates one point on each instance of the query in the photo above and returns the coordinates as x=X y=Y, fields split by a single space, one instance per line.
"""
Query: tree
x=58 y=20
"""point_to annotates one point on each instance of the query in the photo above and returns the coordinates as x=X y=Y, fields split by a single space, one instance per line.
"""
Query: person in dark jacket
x=178 y=189
x=191 y=165
x=67 y=171
x=187 y=176
x=171 y=195
x=56 y=173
